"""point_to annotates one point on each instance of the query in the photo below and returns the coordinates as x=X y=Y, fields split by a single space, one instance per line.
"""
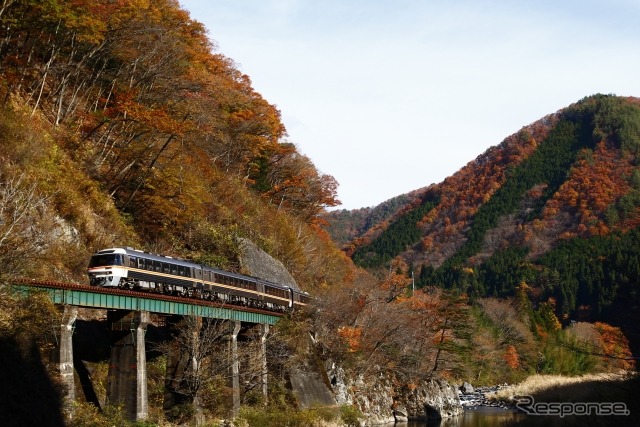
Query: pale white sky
x=392 y=95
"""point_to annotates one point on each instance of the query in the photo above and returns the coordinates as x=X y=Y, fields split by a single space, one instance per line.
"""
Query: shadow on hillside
x=625 y=393
x=27 y=395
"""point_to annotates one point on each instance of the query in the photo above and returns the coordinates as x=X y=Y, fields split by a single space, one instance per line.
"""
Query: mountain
x=555 y=206
x=345 y=225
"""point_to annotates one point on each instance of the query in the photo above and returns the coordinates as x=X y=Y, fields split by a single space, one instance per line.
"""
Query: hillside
x=121 y=125
x=555 y=205
x=345 y=225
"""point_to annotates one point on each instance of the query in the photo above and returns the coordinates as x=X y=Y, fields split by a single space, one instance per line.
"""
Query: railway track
x=149 y=295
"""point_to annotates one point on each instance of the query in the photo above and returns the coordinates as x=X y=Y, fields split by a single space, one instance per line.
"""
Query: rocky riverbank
x=473 y=397
x=383 y=399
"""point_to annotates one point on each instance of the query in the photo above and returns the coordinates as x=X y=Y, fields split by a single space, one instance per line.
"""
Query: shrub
x=350 y=415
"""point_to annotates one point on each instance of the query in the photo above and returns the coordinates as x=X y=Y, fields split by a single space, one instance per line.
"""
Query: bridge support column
x=264 y=331
x=69 y=316
x=142 y=400
x=235 y=367
x=128 y=364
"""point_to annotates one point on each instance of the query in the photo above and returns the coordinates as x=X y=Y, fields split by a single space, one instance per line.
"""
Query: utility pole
x=413 y=283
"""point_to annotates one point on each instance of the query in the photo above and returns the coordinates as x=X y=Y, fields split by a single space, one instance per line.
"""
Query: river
x=479 y=417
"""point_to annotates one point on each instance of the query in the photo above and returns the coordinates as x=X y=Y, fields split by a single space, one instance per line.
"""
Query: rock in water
x=467 y=388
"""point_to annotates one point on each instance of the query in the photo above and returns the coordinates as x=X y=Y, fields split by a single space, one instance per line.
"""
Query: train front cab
x=107 y=268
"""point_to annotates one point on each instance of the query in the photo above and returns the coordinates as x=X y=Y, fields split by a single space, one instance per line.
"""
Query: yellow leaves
x=547 y=313
x=429 y=217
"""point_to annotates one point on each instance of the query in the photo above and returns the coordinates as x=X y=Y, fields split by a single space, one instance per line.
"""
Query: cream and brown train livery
x=128 y=268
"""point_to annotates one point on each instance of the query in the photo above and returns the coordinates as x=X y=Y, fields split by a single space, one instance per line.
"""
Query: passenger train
x=128 y=268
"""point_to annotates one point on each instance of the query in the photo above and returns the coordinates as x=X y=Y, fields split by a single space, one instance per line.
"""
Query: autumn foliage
x=135 y=110
x=152 y=100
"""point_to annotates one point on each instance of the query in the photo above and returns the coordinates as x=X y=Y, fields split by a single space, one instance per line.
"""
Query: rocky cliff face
x=383 y=399
x=258 y=263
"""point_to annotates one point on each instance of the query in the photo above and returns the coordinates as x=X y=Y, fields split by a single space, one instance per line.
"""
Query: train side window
x=157 y=266
x=133 y=261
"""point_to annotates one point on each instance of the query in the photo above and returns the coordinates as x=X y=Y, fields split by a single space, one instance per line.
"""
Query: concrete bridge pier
x=264 y=331
x=127 y=384
x=235 y=366
x=69 y=315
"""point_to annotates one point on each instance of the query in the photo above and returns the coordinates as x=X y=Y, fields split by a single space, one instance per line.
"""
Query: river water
x=479 y=417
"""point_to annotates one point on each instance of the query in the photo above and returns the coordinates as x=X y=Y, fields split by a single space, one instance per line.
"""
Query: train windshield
x=106 y=260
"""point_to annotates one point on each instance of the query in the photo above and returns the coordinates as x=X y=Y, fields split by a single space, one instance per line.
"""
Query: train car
x=277 y=295
x=299 y=299
x=129 y=268
x=230 y=287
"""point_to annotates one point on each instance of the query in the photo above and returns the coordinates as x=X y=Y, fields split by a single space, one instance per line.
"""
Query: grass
x=623 y=388
x=537 y=384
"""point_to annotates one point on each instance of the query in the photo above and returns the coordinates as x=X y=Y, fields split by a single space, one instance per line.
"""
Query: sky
x=389 y=96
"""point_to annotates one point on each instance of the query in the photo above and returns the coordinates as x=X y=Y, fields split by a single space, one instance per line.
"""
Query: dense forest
x=122 y=125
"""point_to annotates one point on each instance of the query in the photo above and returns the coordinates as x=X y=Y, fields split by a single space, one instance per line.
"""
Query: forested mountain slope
x=120 y=124
x=556 y=206
x=345 y=225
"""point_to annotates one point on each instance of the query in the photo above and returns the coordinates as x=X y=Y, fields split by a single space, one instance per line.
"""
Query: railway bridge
x=130 y=312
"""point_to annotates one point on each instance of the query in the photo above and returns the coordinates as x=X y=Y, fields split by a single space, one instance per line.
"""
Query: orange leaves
x=352 y=336
x=475 y=184
x=423 y=304
x=511 y=357
x=597 y=180
x=615 y=345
